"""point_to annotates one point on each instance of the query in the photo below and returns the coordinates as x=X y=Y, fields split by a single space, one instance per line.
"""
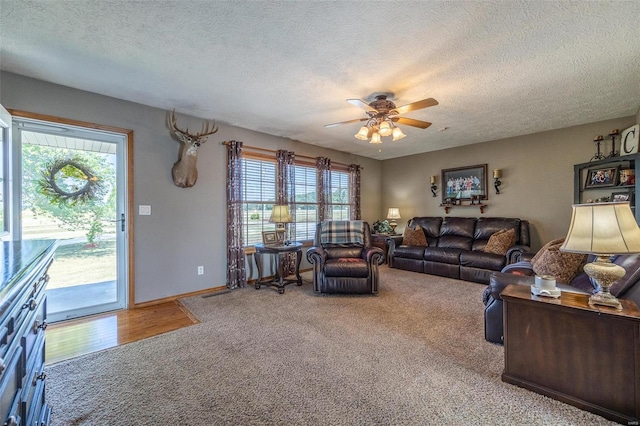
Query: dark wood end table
x=278 y=250
x=380 y=241
x=565 y=349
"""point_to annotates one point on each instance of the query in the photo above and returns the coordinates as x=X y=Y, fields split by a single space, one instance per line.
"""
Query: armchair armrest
x=515 y=253
x=393 y=242
x=374 y=256
x=316 y=255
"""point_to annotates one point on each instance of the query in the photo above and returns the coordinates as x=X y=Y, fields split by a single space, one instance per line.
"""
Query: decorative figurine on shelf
x=598 y=155
x=613 y=134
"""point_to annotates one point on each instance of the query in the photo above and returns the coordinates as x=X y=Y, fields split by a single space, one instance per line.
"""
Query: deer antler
x=198 y=136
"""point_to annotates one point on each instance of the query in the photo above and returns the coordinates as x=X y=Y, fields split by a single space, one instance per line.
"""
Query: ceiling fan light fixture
x=363 y=133
x=397 y=134
x=375 y=138
x=385 y=129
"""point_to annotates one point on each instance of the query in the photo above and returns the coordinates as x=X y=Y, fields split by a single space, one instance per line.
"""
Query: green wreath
x=68 y=182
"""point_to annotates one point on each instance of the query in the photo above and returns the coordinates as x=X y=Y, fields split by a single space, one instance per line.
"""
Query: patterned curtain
x=354 y=191
x=236 y=272
x=323 y=185
x=285 y=194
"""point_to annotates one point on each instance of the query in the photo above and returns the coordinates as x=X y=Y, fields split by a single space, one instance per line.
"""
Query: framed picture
x=465 y=183
x=269 y=238
x=601 y=177
x=617 y=197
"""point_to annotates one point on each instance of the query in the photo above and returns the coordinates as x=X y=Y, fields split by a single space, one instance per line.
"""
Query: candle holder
x=434 y=187
x=497 y=173
x=613 y=134
x=598 y=155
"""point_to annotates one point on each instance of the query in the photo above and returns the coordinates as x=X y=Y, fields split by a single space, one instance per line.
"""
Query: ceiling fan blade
x=412 y=122
x=416 y=105
x=361 y=104
x=346 y=122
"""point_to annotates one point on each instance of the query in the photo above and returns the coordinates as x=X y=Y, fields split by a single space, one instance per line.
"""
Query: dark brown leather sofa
x=345 y=268
x=455 y=247
x=521 y=273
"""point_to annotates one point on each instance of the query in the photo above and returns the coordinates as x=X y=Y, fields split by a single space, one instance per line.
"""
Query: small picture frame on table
x=269 y=238
x=601 y=177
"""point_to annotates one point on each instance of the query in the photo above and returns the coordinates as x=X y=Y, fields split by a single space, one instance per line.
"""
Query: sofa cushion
x=414 y=237
x=563 y=266
x=479 y=259
x=409 y=252
x=346 y=267
x=501 y=241
x=442 y=255
x=457 y=233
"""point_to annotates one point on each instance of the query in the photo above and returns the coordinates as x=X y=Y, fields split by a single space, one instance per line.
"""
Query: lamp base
x=605 y=299
x=605 y=274
x=393 y=225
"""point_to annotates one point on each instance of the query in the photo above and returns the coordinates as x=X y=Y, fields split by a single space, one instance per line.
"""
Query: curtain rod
x=297 y=155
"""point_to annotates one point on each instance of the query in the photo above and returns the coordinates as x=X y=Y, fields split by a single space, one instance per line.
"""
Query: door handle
x=121 y=220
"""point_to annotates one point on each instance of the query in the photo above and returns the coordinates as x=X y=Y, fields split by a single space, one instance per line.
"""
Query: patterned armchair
x=343 y=258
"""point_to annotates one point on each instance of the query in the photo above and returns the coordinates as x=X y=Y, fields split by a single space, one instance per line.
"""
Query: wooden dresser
x=567 y=350
x=23 y=311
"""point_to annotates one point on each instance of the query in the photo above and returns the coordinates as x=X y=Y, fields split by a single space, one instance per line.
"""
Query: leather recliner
x=348 y=268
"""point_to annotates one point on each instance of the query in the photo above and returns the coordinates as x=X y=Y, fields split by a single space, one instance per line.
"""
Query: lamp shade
x=280 y=214
x=375 y=138
x=363 y=133
x=397 y=134
x=385 y=129
x=602 y=228
x=393 y=213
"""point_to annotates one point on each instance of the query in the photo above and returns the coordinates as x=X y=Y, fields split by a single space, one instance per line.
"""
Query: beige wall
x=187 y=225
x=537 y=182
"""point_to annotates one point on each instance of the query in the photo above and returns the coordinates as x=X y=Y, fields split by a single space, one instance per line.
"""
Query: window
x=340 y=205
x=258 y=197
x=306 y=203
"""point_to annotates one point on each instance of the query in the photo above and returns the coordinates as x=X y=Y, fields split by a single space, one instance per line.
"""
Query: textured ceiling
x=498 y=69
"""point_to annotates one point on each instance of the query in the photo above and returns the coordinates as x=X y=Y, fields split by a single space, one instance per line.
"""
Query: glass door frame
x=124 y=140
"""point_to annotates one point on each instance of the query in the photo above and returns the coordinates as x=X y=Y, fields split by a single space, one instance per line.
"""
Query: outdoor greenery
x=90 y=214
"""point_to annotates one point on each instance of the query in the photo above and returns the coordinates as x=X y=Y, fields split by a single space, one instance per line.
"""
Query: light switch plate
x=144 y=210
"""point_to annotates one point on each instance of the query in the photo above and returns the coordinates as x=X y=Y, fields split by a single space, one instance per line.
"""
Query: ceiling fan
x=383 y=115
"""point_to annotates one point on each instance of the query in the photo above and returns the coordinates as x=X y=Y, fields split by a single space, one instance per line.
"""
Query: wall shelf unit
x=448 y=207
x=586 y=190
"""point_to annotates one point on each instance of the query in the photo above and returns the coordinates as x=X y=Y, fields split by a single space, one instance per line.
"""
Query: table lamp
x=393 y=214
x=280 y=215
x=603 y=229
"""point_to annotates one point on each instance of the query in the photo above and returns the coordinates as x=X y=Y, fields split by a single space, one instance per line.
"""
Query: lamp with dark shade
x=603 y=229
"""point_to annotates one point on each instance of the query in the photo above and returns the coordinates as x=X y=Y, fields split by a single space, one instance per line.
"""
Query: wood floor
x=69 y=339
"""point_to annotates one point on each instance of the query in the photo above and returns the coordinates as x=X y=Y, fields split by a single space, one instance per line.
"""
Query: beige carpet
x=413 y=355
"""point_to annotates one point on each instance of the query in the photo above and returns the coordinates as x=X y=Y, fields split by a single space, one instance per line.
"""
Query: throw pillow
x=500 y=241
x=545 y=247
x=414 y=237
x=562 y=265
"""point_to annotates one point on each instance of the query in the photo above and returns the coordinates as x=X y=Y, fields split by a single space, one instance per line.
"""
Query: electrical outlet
x=200 y=270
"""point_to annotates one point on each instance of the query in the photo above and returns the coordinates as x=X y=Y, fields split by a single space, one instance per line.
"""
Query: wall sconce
x=497 y=173
x=434 y=187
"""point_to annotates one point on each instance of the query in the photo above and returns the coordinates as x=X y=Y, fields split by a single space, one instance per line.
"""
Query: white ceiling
x=498 y=69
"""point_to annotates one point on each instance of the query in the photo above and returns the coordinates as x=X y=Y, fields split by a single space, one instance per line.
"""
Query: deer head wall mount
x=184 y=171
